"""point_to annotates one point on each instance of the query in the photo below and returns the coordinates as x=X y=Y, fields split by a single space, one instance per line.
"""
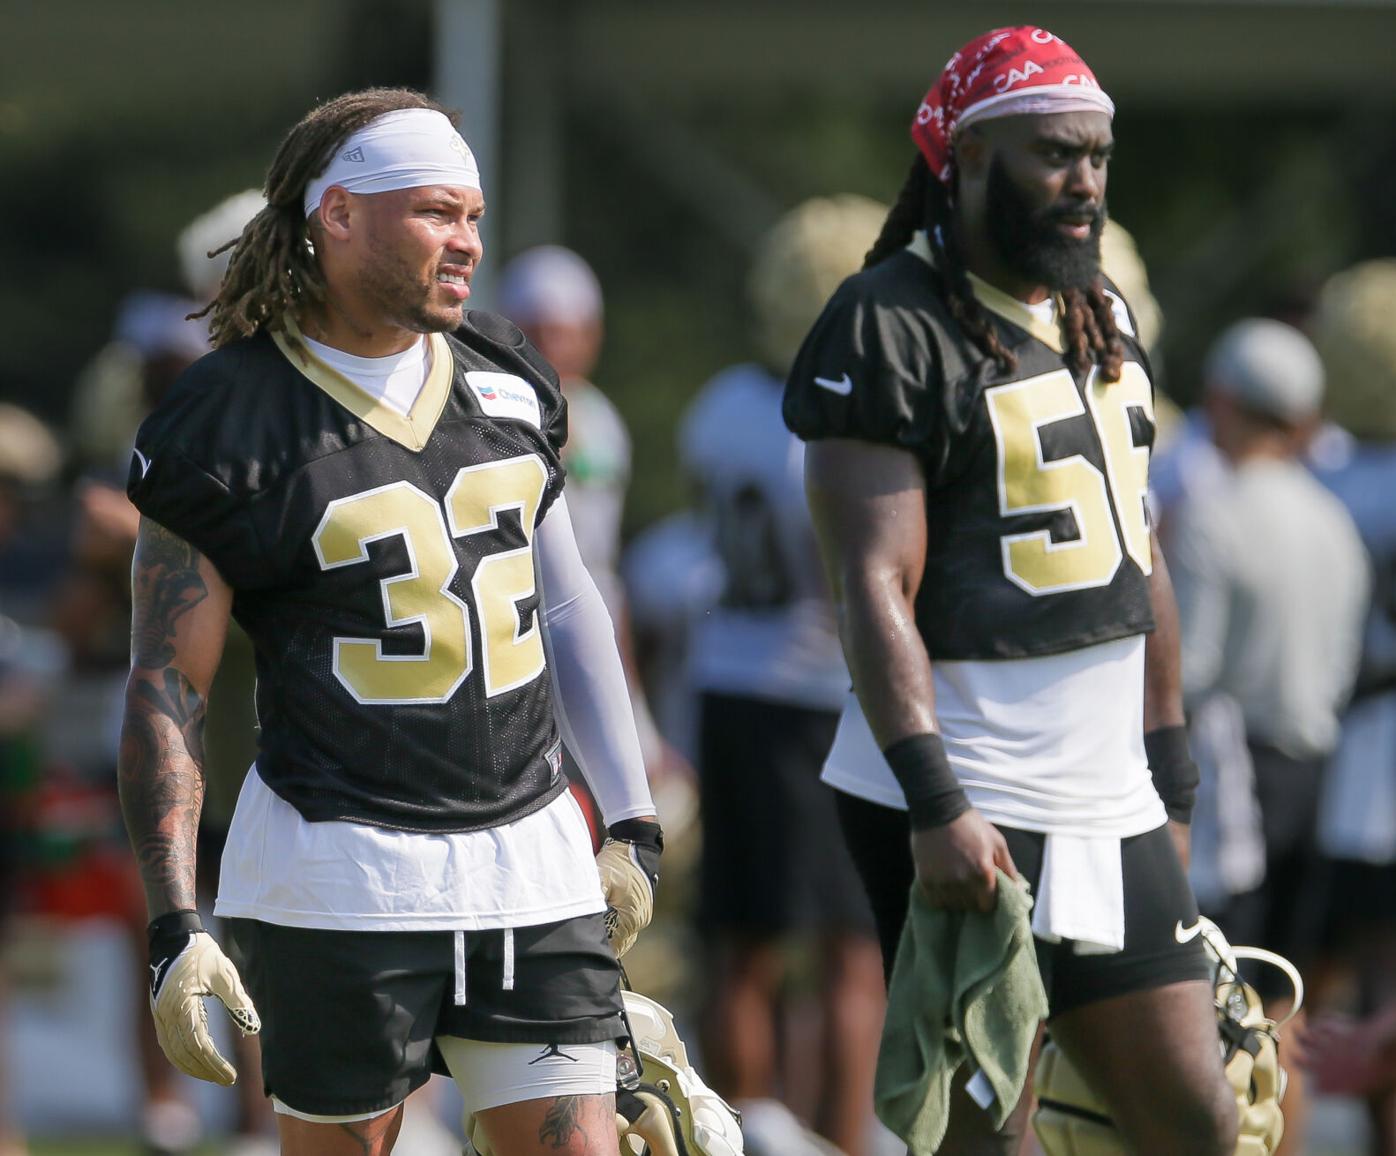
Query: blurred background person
x=767 y=665
x=1272 y=584
x=554 y=297
x=672 y=579
x=1352 y=327
x=154 y=339
x=31 y=661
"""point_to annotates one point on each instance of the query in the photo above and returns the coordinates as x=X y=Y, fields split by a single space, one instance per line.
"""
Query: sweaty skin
x=869 y=508
x=1058 y=167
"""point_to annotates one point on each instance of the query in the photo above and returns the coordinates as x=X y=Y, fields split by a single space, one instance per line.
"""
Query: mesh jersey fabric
x=387 y=586
x=1037 y=536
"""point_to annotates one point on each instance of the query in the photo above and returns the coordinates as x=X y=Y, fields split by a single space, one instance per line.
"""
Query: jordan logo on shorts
x=550 y=1051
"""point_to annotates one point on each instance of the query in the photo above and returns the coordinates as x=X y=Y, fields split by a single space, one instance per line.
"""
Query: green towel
x=965 y=986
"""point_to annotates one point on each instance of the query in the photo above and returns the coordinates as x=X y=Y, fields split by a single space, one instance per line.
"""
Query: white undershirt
x=282 y=869
x=1045 y=310
x=395 y=380
x=1053 y=744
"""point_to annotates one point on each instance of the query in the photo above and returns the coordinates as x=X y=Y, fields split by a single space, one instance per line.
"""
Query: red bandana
x=1006 y=72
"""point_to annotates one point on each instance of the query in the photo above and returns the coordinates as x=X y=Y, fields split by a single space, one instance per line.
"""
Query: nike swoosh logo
x=1186 y=934
x=145 y=462
x=842 y=386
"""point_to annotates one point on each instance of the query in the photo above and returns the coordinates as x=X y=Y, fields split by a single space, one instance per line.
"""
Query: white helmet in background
x=209 y=231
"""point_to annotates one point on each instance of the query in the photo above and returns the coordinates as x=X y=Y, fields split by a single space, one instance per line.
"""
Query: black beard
x=1029 y=243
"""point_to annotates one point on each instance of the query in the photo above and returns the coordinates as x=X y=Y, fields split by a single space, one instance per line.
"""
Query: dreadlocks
x=1087 y=316
x=273 y=269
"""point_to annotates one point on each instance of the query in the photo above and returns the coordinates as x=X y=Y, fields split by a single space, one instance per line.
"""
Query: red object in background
x=590 y=811
x=101 y=883
x=77 y=863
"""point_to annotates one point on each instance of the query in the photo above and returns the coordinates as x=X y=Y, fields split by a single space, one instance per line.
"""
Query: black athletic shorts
x=1158 y=901
x=1361 y=903
x=774 y=862
x=349 y=1017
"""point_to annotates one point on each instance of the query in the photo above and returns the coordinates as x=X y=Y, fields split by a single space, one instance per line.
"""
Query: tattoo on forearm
x=165 y=585
x=161 y=779
x=178 y=701
x=160 y=769
x=562 y=1122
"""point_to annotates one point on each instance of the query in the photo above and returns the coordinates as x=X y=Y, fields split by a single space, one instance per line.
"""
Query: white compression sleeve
x=593 y=703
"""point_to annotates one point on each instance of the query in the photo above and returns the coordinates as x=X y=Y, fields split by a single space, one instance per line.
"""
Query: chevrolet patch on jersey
x=505 y=395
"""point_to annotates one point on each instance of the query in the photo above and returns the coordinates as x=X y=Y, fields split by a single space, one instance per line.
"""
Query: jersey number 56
x=1028 y=483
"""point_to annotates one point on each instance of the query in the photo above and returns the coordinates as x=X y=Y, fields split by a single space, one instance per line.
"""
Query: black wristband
x=645 y=832
x=169 y=935
x=173 y=923
x=647 y=838
x=933 y=793
x=1175 y=774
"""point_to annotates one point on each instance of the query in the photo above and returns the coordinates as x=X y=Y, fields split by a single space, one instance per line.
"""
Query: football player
x=367 y=478
x=979 y=413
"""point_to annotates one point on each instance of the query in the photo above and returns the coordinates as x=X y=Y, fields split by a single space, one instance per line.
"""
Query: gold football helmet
x=1071 y=1120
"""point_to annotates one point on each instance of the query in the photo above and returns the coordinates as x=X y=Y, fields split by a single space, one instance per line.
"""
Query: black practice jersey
x=1038 y=533
x=382 y=566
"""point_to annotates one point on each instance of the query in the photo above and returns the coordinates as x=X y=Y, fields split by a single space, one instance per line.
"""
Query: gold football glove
x=185 y=966
x=629 y=868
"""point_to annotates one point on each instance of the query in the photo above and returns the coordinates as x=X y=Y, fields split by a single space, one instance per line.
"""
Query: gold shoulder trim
x=411 y=430
x=1012 y=310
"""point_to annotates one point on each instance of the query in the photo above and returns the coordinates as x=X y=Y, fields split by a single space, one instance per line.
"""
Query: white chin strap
x=399 y=150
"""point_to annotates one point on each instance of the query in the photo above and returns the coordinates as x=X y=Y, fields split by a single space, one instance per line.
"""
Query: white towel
x=1081 y=894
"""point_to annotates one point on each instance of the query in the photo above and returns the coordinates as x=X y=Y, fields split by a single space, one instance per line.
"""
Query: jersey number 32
x=510 y=657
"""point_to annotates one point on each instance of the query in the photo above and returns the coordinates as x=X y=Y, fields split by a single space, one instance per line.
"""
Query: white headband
x=398 y=150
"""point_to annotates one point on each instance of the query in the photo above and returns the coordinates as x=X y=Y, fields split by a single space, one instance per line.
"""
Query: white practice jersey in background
x=772 y=634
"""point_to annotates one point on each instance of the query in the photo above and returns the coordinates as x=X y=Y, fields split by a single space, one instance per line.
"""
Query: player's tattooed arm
x=179 y=619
